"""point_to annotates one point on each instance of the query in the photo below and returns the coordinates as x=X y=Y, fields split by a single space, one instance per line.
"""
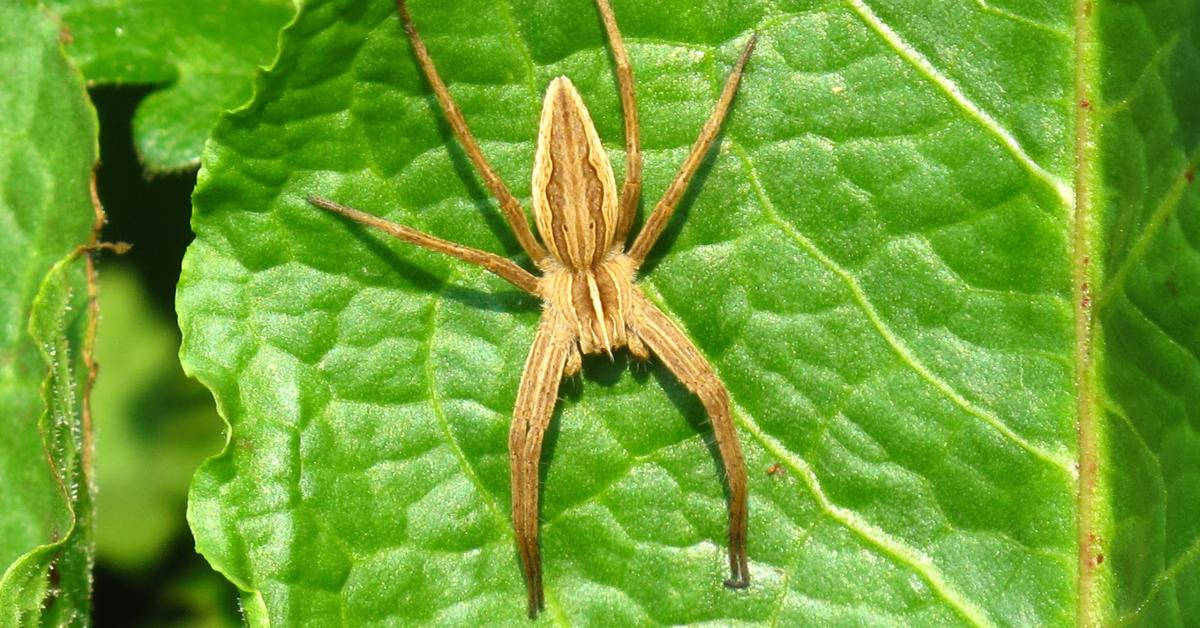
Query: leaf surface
x=1148 y=310
x=47 y=151
x=200 y=54
x=880 y=261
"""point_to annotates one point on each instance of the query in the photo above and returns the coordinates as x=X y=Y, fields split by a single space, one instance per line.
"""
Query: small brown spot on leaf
x=1085 y=104
x=1190 y=175
x=775 y=469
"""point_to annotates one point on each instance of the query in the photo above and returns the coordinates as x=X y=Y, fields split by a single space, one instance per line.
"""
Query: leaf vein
x=920 y=563
x=1166 y=207
x=1187 y=557
x=952 y=91
x=906 y=355
x=987 y=7
x=435 y=402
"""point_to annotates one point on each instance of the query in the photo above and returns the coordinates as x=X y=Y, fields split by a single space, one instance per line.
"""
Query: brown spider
x=590 y=301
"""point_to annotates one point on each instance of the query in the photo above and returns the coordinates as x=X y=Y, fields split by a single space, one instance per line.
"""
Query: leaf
x=201 y=54
x=51 y=582
x=884 y=261
x=1147 y=308
x=153 y=427
x=47 y=150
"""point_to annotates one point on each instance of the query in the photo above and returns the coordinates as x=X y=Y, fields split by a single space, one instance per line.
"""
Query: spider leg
x=502 y=266
x=684 y=360
x=631 y=190
x=536 y=399
x=508 y=203
x=666 y=205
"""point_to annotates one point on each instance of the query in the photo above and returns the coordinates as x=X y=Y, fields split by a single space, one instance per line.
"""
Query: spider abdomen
x=574 y=191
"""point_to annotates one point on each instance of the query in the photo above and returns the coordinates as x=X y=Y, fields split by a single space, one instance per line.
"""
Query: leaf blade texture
x=46 y=158
x=879 y=261
x=197 y=58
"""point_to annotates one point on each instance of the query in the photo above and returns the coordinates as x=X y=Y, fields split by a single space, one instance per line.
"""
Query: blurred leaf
x=201 y=53
x=153 y=427
x=208 y=598
x=47 y=150
x=885 y=262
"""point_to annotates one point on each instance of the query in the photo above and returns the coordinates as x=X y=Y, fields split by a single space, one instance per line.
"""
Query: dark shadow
x=486 y=206
x=549 y=445
x=150 y=212
x=380 y=246
x=603 y=370
x=504 y=300
x=179 y=588
x=689 y=405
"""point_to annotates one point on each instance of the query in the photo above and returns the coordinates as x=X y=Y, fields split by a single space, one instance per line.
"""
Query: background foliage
x=944 y=259
x=47 y=150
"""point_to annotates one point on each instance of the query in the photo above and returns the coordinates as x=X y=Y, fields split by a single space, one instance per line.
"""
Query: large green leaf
x=885 y=261
x=202 y=54
x=47 y=150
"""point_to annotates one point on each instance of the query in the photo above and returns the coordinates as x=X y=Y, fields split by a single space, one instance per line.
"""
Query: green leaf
x=202 y=54
x=153 y=427
x=47 y=150
x=51 y=582
x=1148 y=309
x=885 y=261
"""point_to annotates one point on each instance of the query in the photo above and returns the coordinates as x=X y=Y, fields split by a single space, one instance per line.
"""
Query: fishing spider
x=591 y=303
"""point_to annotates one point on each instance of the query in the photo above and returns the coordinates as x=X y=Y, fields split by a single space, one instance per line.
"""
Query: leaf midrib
x=1088 y=610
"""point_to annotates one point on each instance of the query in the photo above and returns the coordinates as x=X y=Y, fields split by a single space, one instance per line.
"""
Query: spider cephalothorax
x=592 y=304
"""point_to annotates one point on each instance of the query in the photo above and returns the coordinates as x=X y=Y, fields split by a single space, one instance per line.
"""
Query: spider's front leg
x=554 y=349
x=662 y=336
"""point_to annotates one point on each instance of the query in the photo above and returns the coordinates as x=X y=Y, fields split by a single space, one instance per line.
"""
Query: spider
x=591 y=303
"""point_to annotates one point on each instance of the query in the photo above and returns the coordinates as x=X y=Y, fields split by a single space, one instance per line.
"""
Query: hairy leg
x=508 y=203
x=631 y=190
x=666 y=205
x=502 y=266
x=536 y=399
x=684 y=360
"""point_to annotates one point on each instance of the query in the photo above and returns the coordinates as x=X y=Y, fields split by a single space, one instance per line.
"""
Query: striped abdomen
x=574 y=191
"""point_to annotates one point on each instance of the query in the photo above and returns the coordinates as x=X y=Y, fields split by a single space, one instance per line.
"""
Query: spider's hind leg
x=685 y=361
x=536 y=398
